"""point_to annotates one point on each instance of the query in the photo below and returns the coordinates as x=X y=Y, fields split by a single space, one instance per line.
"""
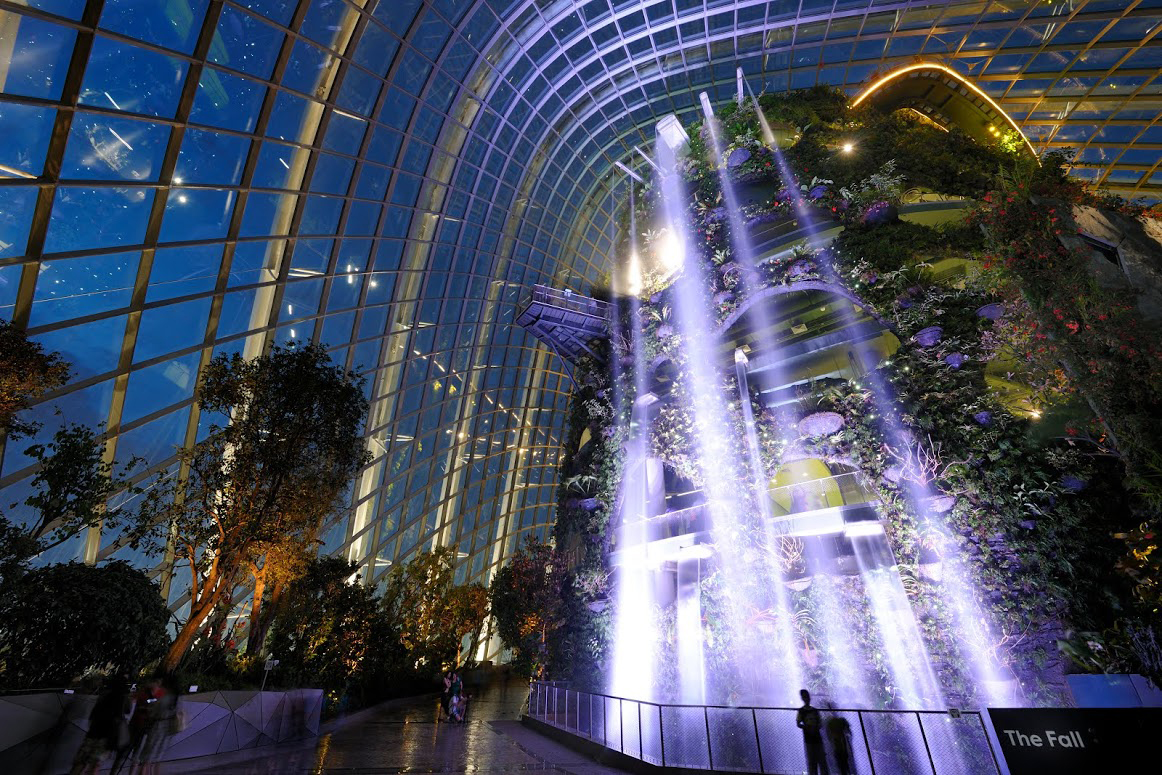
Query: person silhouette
x=839 y=735
x=809 y=721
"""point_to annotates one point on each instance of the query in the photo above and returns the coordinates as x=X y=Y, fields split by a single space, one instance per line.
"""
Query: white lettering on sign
x=1054 y=739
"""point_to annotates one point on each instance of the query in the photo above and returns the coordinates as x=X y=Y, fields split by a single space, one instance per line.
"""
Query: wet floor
x=406 y=738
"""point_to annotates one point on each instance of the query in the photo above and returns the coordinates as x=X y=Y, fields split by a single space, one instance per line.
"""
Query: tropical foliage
x=1043 y=495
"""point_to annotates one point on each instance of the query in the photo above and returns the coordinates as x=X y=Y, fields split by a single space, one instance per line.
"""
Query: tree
x=323 y=626
x=526 y=602
x=258 y=487
x=72 y=486
x=26 y=373
x=430 y=612
x=61 y=621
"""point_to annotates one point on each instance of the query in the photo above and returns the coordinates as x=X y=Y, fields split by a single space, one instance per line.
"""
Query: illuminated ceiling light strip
x=119 y=137
x=5 y=169
x=869 y=91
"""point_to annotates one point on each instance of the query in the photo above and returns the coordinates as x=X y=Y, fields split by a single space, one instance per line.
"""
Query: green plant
x=62 y=621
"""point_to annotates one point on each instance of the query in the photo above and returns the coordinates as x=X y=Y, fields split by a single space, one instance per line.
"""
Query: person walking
x=809 y=721
x=161 y=724
x=108 y=726
x=139 y=723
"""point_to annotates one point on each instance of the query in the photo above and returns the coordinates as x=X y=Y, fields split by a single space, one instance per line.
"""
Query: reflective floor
x=406 y=738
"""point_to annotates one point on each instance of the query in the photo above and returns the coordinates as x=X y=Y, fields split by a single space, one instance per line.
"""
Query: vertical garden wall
x=1026 y=388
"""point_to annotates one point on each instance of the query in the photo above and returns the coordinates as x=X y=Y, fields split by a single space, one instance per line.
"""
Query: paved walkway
x=405 y=738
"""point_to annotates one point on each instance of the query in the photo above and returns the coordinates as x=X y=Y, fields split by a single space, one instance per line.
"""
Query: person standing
x=839 y=735
x=809 y=721
x=446 y=696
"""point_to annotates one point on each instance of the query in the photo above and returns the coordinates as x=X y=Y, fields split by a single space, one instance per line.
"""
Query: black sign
x=1062 y=741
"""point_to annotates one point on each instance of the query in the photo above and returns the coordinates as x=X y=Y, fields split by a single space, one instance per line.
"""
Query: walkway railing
x=767 y=740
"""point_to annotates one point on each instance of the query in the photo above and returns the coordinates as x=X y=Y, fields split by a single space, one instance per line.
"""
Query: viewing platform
x=565 y=321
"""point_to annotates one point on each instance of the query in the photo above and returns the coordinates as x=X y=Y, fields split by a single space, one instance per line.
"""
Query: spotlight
x=848 y=147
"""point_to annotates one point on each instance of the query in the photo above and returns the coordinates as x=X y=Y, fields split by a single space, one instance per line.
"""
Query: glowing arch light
x=895 y=75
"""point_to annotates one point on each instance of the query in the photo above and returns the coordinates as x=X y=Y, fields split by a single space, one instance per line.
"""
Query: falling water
x=634 y=618
x=791 y=676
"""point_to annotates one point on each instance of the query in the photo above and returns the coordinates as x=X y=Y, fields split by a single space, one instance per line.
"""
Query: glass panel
x=243 y=42
x=172 y=24
x=132 y=79
x=75 y=287
x=228 y=101
x=16 y=206
x=171 y=328
x=196 y=213
x=93 y=348
x=38 y=55
x=183 y=271
x=26 y=130
x=104 y=147
x=160 y=385
x=211 y=157
x=85 y=218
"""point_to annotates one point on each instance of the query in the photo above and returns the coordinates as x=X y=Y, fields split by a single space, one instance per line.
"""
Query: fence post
x=661 y=734
x=641 y=748
x=758 y=744
x=863 y=731
x=924 y=737
x=604 y=722
x=621 y=724
x=988 y=741
x=578 y=714
x=566 y=703
x=709 y=747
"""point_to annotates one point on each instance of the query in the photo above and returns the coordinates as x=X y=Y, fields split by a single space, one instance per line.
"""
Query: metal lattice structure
x=180 y=178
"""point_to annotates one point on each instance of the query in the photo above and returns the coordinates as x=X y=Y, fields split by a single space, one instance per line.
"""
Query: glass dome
x=181 y=178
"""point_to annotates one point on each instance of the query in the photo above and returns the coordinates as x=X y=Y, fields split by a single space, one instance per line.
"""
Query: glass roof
x=181 y=178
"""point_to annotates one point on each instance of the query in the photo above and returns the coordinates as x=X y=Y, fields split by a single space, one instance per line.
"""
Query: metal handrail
x=966 y=745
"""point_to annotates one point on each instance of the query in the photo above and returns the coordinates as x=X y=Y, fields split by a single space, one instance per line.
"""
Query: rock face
x=737 y=158
x=991 y=311
x=926 y=337
x=1126 y=254
x=820 y=424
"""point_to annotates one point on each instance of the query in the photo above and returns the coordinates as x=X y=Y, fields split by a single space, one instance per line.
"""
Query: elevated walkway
x=565 y=321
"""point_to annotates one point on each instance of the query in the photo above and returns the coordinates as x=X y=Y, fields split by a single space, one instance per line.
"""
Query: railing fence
x=767 y=740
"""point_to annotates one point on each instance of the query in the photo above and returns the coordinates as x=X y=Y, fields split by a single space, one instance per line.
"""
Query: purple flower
x=955 y=360
x=800 y=267
x=665 y=331
x=817 y=192
x=984 y=418
x=1073 y=483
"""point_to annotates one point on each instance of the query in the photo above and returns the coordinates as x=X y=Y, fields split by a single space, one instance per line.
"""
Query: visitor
x=140 y=720
x=164 y=722
x=809 y=721
x=458 y=707
x=839 y=735
x=446 y=697
x=108 y=726
x=457 y=685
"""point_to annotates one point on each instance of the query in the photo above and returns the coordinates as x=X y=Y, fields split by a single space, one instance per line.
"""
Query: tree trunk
x=253 y=639
x=185 y=637
x=260 y=628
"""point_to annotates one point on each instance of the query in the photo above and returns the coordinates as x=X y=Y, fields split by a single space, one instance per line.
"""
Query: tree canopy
x=61 y=621
x=431 y=613
x=286 y=444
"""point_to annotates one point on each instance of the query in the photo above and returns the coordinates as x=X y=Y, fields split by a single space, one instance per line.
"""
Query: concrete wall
x=40 y=733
